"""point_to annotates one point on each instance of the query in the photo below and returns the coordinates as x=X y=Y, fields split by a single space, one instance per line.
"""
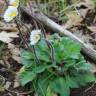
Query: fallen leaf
x=7 y=85
x=15 y=52
x=85 y=38
x=16 y=84
x=90 y=4
x=7 y=37
x=74 y=19
x=94 y=68
x=83 y=12
x=92 y=28
x=9 y=29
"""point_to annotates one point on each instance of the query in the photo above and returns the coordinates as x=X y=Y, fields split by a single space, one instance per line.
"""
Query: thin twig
x=37 y=60
x=28 y=30
x=17 y=93
x=52 y=50
x=21 y=33
x=90 y=87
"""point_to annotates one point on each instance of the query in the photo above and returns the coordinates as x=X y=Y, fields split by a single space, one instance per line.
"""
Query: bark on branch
x=88 y=51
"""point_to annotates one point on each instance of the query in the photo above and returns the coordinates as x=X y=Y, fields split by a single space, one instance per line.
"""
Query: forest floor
x=83 y=26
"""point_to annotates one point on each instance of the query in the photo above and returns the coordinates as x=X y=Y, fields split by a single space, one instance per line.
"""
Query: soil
x=10 y=76
x=89 y=90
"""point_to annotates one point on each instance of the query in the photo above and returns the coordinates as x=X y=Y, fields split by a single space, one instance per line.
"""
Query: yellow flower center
x=13 y=14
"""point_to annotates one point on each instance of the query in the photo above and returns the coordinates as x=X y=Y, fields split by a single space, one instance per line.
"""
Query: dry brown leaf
x=7 y=85
x=83 y=12
x=85 y=38
x=17 y=58
x=87 y=3
x=92 y=28
x=90 y=4
x=7 y=37
x=94 y=68
x=15 y=52
x=74 y=19
x=9 y=29
x=16 y=84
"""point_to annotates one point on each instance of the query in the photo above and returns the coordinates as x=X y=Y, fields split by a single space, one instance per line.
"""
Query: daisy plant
x=47 y=78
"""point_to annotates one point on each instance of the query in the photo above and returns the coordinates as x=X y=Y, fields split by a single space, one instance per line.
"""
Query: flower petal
x=35 y=36
x=10 y=13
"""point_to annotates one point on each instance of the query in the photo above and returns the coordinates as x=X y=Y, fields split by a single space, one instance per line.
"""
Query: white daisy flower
x=14 y=3
x=35 y=36
x=10 y=13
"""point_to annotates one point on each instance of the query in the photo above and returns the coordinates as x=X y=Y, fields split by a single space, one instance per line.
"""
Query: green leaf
x=50 y=92
x=42 y=56
x=72 y=50
x=71 y=82
x=27 y=62
x=83 y=79
x=27 y=55
x=84 y=66
x=69 y=63
x=41 y=68
x=79 y=79
x=89 y=77
x=26 y=77
x=42 y=51
x=68 y=48
x=42 y=84
x=60 y=86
